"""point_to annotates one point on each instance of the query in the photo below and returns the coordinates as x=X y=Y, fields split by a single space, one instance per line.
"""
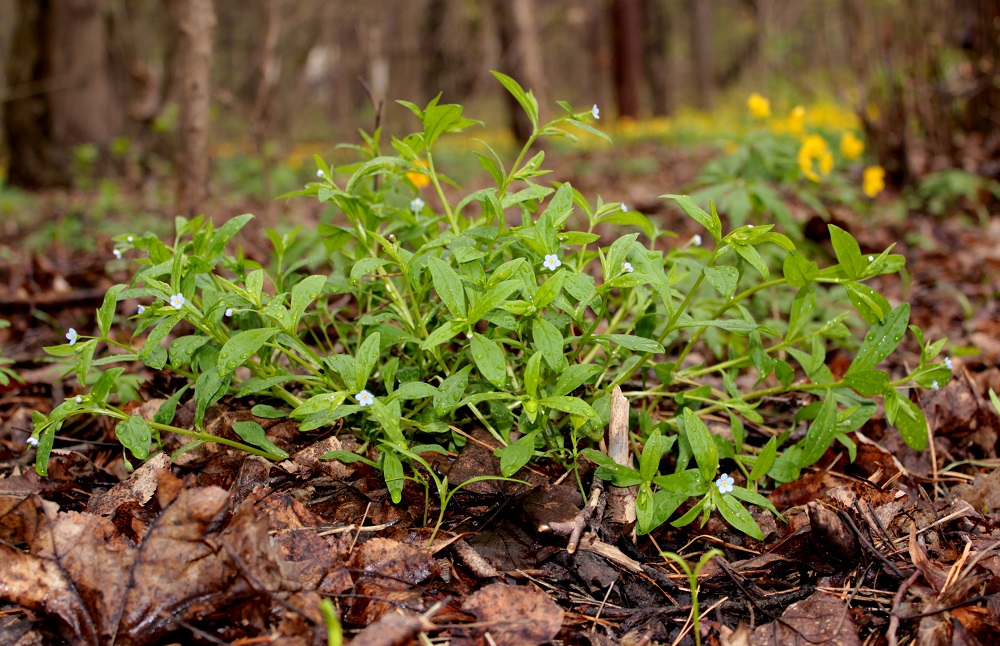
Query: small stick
x=621 y=500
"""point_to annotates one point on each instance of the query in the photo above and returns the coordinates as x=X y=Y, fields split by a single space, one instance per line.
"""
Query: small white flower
x=118 y=254
x=72 y=336
x=627 y=267
x=468 y=335
x=696 y=240
x=871 y=258
x=79 y=399
x=229 y=311
x=551 y=262
x=595 y=112
x=177 y=301
x=948 y=364
x=624 y=208
x=934 y=385
x=32 y=441
x=130 y=238
x=140 y=309
x=749 y=226
x=320 y=174
x=416 y=204
x=364 y=398
x=725 y=483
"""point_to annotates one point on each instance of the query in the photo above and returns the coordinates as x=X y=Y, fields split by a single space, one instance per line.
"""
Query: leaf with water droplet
x=489 y=358
x=882 y=339
x=243 y=345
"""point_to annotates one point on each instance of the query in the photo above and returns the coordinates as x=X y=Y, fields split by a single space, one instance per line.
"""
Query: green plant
x=692 y=576
x=407 y=317
x=6 y=374
x=950 y=189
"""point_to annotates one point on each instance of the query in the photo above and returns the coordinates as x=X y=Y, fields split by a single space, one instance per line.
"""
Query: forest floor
x=895 y=547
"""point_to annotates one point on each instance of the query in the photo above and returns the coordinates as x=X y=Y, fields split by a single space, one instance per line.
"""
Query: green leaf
x=629 y=218
x=414 y=390
x=821 y=432
x=304 y=292
x=912 y=424
x=102 y=388
x=882 y=339
x=550 y=289
x=652 y=453
x=687 y=483
x=526 y=100
x=711 y=222
x=765 y=460
x=348 y=458
x=571 y=405
x=253 y=433
x=549 y=341
x=323 y=403
x=442 y=334
x=209 y=388
x=165 y=414
x=631 y=342
x=157 y=335
x=106 y=315
x=573 y=377
x=241 y=346
x=450 y=392
x=867 y=382
x=84 y=359
x=365 y=266
x=224 y=234
x=532 y=372
x=392 y=472
x=516 y=455
x=754 y=498
x=752 y=256
x=494 y=296
x=183 y=348
x=732 y=325
x=617 y=255
x=870 y=305
x=135 y=435
x=702 y=445
x=490 y=359
x=448 y=285
x=737 y=515
x=723 y=279
x=268 y=412
x=848 y=252
x=798 y=270
x=803 y=306
x=366 y=359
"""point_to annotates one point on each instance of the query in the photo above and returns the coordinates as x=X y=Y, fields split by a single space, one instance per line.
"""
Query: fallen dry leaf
x=518 y=615
x=822 y=619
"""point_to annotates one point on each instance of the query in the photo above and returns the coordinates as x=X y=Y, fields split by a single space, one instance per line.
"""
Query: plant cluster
x=787 y=156
x=414 y=314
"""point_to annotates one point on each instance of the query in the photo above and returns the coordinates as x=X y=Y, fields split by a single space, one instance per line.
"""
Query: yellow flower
x=873 y=181
x=796 y=120
x=417 y=178
x=850 y=146
x=760 y=108
x=814 y=149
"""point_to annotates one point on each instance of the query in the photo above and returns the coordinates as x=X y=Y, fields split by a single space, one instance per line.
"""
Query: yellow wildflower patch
x=873 y=181
x=815 y=153
x=759 y=106
x=850 y=146
x=797 y=120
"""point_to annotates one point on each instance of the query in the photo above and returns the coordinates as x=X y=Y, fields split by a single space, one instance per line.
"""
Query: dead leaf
x=820 y=619
x=139 y=487
x=519 y=615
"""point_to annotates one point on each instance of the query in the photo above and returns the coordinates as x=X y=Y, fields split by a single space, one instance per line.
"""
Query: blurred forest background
x=134 y=87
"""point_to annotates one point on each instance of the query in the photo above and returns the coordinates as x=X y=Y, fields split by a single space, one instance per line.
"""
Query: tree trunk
x=63 y=90
x=522 y=58
x=626 y=36
x=194 y=24
x=701 y=51
x=656 y=56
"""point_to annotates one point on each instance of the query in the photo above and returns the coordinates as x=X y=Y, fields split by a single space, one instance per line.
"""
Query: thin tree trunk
x=194 y=22
x=656 y=57
x=522 y=58
x=626 y=33
x=63 y=89
x=701 y=50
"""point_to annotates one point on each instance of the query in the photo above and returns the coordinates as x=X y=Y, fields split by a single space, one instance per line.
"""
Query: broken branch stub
x=621 y=500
